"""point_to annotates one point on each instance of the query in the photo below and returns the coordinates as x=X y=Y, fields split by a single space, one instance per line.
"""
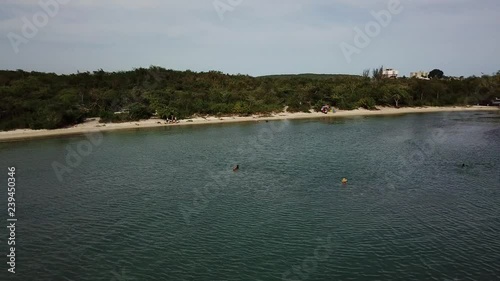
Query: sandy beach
x=93 y=125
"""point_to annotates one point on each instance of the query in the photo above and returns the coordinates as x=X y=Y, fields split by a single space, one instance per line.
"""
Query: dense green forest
x=46 y=100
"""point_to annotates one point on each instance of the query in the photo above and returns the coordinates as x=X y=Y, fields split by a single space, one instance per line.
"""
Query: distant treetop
x=436 y=73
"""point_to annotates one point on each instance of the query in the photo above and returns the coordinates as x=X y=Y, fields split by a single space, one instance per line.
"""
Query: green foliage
x=107 y=117
x=377 y=73
x=241 y=108
x=436 y=73
x=310 y=76
x=46 y=101
x=139 y=111
x=367 y=103
x=395 y=93
x=297 y=107
x=166 y=112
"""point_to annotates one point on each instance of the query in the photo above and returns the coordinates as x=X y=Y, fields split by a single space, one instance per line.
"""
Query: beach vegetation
x=38 y=100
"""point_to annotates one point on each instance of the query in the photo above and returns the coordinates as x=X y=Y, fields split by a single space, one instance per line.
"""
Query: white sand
x=92 y=125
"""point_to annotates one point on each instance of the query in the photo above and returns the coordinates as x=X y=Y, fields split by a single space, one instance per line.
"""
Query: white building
x=390 y=73
x=420 y=75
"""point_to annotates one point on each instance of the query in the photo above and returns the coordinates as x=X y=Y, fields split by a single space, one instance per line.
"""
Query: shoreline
x=93 y=125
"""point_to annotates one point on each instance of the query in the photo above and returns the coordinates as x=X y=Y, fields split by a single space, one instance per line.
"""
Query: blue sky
x=256 y=37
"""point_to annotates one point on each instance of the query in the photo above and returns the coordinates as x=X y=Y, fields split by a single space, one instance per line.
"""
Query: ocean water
x=422 y=201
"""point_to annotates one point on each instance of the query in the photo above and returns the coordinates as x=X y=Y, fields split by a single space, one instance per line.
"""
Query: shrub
x=139 y=111
x=367 y=103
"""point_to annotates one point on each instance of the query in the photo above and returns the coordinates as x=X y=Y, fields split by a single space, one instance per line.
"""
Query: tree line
x=38 y=100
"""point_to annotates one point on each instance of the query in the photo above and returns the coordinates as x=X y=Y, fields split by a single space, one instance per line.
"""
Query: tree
x=377 y=73
x=436 y=73
x=396 y=93
x=139 y=111
x=438 y=88
x=46 y=100
x=366 y=73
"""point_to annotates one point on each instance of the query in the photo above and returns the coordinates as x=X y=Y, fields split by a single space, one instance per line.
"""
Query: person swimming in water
x=236 y=168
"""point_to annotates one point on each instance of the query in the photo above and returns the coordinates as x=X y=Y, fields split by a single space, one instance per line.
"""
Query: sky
x=254 y=37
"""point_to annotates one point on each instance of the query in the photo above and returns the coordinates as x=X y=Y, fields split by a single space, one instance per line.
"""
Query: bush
x=297 y=107
x=139 y=111
x=367 y=103
x=110 y=117
x=242 y=109
x=343 y=105
x=45 y=101
x=164 y=113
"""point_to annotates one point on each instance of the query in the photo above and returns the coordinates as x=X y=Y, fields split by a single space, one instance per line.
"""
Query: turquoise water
x=164 y=204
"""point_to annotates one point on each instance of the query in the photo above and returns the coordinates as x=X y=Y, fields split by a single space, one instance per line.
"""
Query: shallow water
x=164 y=204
